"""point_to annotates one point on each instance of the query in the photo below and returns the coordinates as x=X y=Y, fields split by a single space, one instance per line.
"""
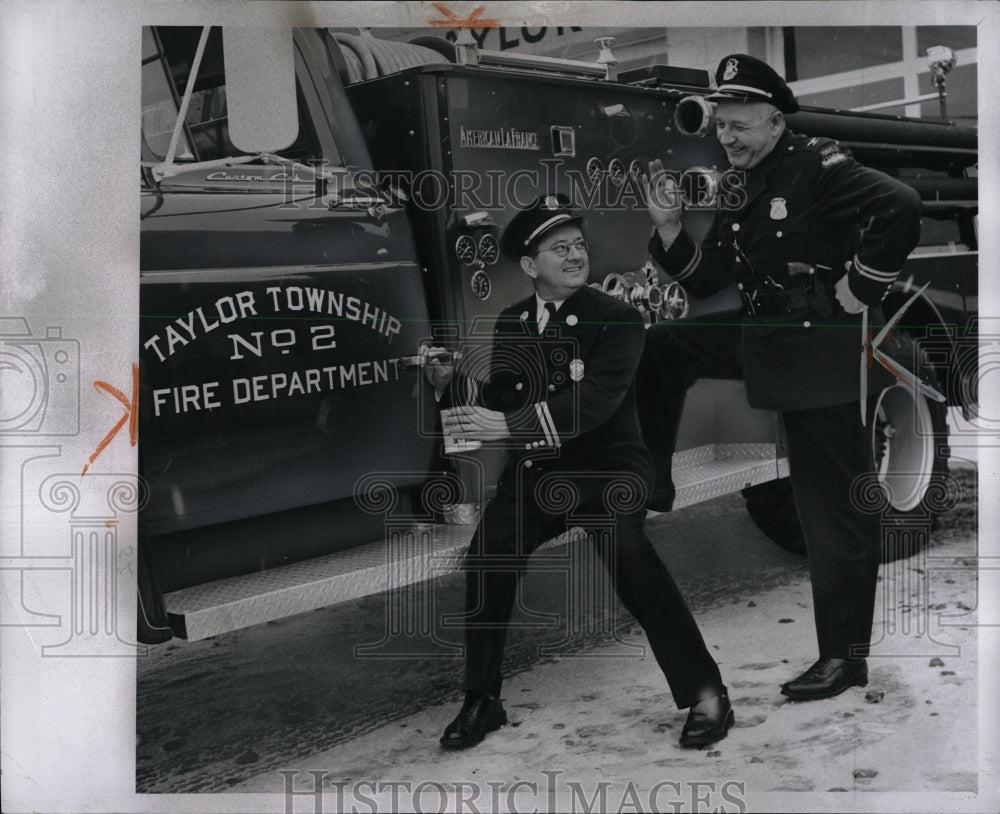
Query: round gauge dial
x=489 y=249
x=595 y=169
x=635 y=168
x=481 y=285
x=616 y=171
x=465 y=250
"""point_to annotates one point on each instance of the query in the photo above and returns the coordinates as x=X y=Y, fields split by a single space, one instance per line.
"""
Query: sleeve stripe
x=540 y=409
x=548 y=426
x=691 y=266
x=472 y=390
x=874 y=274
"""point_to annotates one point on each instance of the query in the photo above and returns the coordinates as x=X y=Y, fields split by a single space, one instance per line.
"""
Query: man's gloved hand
x=846 y=298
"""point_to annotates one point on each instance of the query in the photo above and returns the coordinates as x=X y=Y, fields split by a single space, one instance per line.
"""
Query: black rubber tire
x=772 y=506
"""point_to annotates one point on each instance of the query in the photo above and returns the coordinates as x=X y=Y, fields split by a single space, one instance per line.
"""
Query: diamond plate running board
x=713 y=470
x=417 y=552
x=412 y=553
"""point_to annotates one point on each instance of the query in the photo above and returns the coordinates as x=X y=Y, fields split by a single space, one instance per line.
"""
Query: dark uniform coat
x=809 y=204
x=568 y=395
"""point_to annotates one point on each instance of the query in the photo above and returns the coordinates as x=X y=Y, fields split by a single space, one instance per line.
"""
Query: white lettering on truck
x=279 y=384
x=335 y=303
x=186 y=398
x=194 y=324
x=227 y=309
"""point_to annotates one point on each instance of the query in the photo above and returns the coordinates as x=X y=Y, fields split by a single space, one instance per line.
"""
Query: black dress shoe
x=827 y=678
x=708 y=721
x=479 y=714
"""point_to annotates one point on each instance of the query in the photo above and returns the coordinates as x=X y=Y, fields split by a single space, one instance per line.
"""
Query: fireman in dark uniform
x=813 y=238
x=560 y=397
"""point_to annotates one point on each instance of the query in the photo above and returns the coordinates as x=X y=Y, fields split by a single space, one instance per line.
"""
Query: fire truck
x=319 y=205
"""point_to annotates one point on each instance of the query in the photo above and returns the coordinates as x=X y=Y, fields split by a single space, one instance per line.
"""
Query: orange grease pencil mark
x=454 y=21
x=895 y=371
x=131 y=415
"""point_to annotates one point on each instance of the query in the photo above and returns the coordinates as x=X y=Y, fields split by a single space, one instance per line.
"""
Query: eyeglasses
x=562 y=247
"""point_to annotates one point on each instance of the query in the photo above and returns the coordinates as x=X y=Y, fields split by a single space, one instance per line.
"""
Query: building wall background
x=850 y=67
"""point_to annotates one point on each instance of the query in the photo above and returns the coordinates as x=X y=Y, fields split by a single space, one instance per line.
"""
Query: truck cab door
x=278 y=301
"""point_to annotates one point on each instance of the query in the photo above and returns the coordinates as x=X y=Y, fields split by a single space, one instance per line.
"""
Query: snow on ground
x=599 y=730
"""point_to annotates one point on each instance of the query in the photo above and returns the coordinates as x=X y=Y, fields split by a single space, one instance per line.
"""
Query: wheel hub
x=903 y=446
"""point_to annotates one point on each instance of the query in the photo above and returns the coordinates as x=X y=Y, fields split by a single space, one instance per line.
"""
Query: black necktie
x=550 y=311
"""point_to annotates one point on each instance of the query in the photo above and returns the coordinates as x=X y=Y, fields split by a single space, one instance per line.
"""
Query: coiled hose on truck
x=369 y=58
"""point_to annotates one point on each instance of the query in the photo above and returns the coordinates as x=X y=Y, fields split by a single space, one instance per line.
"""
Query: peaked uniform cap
x=541 y=216
x=743 y=78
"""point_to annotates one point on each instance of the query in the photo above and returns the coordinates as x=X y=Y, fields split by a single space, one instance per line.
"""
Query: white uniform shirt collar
x=540 y=306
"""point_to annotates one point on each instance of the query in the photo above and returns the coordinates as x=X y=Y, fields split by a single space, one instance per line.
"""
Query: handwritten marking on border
x=131 y=415
x=452 y=20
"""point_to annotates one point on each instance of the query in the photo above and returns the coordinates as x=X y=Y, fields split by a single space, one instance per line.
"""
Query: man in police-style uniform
x=817 y=237
x=560 y=397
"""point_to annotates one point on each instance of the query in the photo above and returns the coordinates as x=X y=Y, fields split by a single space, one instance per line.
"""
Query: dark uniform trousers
x=827 y=450
x=512 y=529
x=576 y=454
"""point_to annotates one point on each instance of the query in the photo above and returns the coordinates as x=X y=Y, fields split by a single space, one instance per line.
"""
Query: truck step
x=414 y=552
x=411 y=553
x=713 y=470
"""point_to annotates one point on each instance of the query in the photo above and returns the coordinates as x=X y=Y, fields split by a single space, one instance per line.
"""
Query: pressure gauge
x=616 y=171
x=465 y=250
x=489 y=249
x=595 y=169
x=481 y=285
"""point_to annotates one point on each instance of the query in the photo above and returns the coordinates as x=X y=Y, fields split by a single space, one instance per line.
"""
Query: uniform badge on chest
x=576 y=370
x=778 y=210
